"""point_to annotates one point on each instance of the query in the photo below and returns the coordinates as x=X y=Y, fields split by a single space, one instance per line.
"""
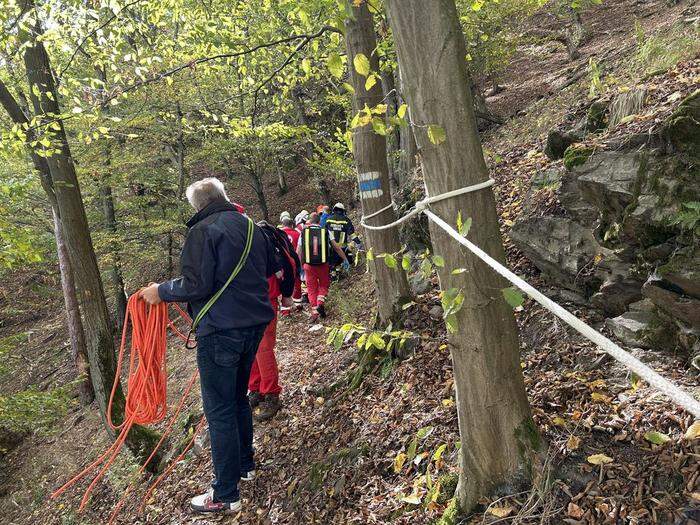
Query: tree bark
x=98 y=326
x=369 y=149
x=73 y=320
x=495 y=424
x=115 y=273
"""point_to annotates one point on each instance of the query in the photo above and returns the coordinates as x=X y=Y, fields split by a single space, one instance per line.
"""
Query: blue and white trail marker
x=370 y=185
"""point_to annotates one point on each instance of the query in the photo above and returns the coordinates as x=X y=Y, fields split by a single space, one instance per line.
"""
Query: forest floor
x=330 y=455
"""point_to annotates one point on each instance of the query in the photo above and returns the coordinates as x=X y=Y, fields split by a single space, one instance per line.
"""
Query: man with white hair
x=219 y=239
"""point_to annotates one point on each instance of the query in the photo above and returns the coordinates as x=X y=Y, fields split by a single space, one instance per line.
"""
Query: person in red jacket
x=293 y=236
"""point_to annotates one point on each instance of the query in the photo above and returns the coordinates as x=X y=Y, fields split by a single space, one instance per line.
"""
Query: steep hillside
x=591 y=195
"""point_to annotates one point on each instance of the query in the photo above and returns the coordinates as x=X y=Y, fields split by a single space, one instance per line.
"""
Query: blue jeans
x=224 y=359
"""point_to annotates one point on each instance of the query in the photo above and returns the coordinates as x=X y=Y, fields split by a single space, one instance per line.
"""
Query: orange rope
x=146 y=399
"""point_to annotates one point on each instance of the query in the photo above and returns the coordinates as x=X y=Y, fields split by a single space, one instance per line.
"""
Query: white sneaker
x=248 y=476
x=205 y=503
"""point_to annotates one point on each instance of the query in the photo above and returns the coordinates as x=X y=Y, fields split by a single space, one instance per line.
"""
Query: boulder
x=607 y=180
x=616 y=294
x=632 y=328
x=682 y=128
x=625 y=105
x=670 y=299
x=419 y=284
x=596 y=117
x=683 y=270
x=570 y=199
x=560 y=247
x=558 y=141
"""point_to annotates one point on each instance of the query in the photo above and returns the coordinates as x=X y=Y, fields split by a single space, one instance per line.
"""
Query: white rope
x=378 y=212
x=652 y=377
x=423 y=204
x=674 y=392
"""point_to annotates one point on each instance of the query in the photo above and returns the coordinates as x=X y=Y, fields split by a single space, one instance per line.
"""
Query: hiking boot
x=304 y=299
x=321 y=310
x=205 y=503
x=248 y=475
x=269 y=406
x=254 y=398
x=314 y=317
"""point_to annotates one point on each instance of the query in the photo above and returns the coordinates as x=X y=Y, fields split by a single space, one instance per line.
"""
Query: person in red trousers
x=313 y=249
x=264 y=387
x=293 y=236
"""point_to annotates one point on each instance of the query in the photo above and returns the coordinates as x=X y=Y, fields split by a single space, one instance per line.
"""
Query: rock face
x=626 y=239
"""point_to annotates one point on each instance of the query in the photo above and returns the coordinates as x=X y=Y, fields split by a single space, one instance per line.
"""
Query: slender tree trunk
x=98 y=327
x=115 y=272
x=321 y=184
x=256 y=182
x=281 y=181
x=73 y=320
x=369 y=149
x=495 y=424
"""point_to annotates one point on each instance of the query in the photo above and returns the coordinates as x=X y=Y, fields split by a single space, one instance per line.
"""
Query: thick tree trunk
x=98 y=326
x=393 y=139
x=495 y=424
x=73 y=320
x=369 y=149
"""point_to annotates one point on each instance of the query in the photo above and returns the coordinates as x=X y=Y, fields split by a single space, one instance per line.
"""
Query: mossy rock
x=682 y=128
x=576 y=156
x=596 y=117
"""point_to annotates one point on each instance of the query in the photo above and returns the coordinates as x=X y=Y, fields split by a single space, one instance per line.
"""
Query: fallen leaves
x=599 y=459
x=657 y=438
x=693 y=431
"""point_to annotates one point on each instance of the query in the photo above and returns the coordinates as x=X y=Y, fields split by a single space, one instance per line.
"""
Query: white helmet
x=285 y=215
x=339 y=206
x=301 y=217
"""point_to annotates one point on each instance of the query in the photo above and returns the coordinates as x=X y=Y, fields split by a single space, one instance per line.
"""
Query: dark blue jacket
x=213 y=247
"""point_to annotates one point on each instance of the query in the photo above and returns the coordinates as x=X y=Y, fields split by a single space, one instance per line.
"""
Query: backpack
x=285 y=254
x=314 y=244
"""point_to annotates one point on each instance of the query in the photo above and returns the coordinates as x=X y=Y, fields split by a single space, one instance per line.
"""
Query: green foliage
x=492 y=32
x=452 y=301
x=513 y=297
x=7 y=345
x=688 y=217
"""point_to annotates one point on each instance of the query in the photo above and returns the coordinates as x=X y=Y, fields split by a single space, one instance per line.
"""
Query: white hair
x=205 y=191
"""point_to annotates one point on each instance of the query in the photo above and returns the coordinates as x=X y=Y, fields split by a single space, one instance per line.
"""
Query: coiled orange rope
x=146 y=398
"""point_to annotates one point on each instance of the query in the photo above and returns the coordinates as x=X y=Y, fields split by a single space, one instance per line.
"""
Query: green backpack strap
x=234 y=273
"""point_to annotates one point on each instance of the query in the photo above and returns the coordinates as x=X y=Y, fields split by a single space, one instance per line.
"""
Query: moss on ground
x=576 y=156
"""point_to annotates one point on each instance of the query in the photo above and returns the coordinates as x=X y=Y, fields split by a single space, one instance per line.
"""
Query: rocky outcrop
x=621 y=240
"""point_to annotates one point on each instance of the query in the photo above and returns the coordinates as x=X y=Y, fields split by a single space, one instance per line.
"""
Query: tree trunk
x=300 y=107
x=256 y=183
x=393 y=139
x=115 y=273
x=98 y=326
x=495 y=424
x=369 y=149
x=73 y=320
x=281 y=181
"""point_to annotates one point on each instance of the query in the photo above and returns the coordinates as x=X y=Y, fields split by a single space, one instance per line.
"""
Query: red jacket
x=293 y=235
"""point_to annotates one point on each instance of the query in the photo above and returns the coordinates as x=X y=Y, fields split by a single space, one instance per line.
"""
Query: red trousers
x=264 y=377
x=296 y=294
x=318 y=279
